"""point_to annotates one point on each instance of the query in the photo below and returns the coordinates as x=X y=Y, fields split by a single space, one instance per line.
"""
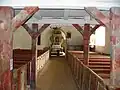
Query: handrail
x=29 y=61
x=85 y=78
x=25 y=65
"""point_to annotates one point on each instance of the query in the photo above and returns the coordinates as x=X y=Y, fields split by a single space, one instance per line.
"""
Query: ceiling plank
x=66 y=14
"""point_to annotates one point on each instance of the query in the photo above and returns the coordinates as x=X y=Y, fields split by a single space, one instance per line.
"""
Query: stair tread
x=100 y=62
x=98 y=69
x=95 y=66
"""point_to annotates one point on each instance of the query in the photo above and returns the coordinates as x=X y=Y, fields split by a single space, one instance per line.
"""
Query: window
x=39 y=39
x=68 y=35
x=100 y=36
x=92 y=40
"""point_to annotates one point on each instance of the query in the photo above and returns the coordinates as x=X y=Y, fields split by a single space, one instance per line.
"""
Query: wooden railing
x=20 y=78
x=79 y=47
x=75 y=47
x=20 y=74
x=85 y=78
x=41 y=61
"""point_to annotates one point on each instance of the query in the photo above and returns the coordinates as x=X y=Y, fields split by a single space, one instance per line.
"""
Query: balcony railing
x=21 y=75
x=85 y=78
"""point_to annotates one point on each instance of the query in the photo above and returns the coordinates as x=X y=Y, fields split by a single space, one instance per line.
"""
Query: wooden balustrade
x=21 y=63
x=85 y=78
x=41 y=61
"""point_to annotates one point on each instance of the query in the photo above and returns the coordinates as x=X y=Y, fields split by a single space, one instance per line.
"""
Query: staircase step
x=99 y=66
x=99 y=60
x=20 y=62
x=101 y=70
x=99 y=63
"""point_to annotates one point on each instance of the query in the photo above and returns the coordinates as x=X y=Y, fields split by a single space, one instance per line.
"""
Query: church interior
x=59 y=49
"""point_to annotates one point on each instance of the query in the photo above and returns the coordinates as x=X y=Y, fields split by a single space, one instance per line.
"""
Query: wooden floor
x=56 y=75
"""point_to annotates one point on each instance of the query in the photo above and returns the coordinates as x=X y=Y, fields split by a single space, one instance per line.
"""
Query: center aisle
x=56 y=75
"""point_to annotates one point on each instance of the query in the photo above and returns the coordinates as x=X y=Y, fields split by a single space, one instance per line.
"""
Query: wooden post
x=19 y=79
x=28 y=73
x=115 y=47
x=112 y=22
x=34 y=58
x=33 y=65
x=86 y=32
x=7 y=24
x=34 y=33
x=86 y=37
x=6 y=38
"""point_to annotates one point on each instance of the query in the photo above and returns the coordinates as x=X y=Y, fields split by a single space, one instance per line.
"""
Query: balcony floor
x=56 y=75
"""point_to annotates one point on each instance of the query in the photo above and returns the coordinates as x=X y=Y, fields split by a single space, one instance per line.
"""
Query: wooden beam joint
x=79 y=28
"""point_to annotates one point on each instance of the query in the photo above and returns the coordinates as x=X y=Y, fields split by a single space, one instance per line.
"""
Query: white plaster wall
x=45 y=37
x=21 y=39
x=76 y=37
x=105 y=49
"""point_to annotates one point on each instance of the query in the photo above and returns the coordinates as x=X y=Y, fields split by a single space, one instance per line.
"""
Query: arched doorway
x=58 y=41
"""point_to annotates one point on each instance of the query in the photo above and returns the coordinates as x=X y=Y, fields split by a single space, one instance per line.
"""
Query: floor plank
x=56 y=75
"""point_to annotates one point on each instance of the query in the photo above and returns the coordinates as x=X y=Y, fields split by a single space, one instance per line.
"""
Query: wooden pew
x=85 y=77
x=97 y=62
x=23 y=56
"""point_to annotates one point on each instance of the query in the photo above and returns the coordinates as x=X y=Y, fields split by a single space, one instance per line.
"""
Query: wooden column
x=86 y=38
x=28 y=73
x=22 y=17
x=19 y=79
x=6 y=15
x=112 y=22
x=33 y=65
x=115 y=45
x=34 y=33
x=86 y=32
x=34 y=57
